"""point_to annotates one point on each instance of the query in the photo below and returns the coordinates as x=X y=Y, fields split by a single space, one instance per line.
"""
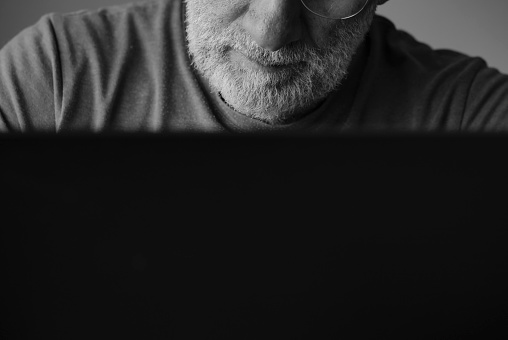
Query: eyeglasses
x=335 y=9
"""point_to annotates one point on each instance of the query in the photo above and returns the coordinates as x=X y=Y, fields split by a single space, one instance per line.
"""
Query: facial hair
x=304 y=75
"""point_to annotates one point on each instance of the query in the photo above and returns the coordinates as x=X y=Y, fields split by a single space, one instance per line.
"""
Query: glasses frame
x=345 y=18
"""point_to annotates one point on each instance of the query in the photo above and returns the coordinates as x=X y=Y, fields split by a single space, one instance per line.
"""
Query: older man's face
x=271 y=59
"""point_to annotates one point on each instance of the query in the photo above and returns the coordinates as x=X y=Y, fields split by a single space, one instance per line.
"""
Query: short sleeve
x=30 y=79
x=486 y=108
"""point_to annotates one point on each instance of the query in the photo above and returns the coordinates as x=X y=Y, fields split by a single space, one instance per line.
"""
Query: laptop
x=254 y=236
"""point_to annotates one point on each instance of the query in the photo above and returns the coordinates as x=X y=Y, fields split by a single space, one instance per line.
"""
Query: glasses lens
x=335 y=9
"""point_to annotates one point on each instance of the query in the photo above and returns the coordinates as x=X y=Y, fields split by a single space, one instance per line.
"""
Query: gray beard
x=309 y=74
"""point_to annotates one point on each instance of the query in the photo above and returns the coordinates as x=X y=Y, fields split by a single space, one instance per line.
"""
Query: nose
x=272 y=24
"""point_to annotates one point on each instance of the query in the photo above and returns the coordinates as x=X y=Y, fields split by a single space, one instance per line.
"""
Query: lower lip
x=248 y=63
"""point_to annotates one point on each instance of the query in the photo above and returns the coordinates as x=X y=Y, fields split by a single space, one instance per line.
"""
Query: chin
x=277 y=113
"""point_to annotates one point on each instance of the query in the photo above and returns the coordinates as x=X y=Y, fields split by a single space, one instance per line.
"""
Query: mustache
x=290 y=54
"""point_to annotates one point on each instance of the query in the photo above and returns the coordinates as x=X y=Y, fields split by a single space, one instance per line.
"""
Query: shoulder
x=105 y=24
x=398 y=48
x=137 y=10
x=66 y=69
x=112 y=24
x=434 y=85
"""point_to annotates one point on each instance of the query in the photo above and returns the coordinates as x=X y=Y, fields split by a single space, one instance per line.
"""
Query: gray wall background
x=475 y=27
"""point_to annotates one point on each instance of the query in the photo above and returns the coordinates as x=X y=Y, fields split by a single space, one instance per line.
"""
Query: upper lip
x=264 y=63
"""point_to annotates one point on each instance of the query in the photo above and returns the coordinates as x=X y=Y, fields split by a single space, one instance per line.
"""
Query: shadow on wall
x=441 y=24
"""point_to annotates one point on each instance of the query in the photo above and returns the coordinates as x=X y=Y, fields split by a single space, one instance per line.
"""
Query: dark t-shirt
x=126 y=68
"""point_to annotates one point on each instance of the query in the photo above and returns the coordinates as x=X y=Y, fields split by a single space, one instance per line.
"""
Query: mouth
x=248 y=63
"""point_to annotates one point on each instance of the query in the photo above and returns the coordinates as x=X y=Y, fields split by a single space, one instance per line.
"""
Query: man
x=244 y=65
